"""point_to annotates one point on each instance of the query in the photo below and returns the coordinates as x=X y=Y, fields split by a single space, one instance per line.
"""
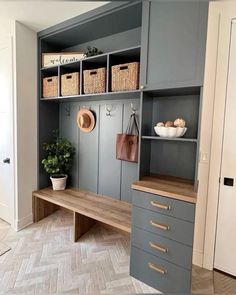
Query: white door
x=6 y=132
x=225 y=251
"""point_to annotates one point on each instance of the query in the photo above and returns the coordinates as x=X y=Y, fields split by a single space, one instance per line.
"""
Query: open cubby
x=168 y=108
x=175 y=157
x=93 y=63
x=68 y=69
x=170 y=158
x=121 y=57
x=47 y=73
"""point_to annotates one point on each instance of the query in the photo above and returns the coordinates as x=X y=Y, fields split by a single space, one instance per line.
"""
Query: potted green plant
x=58 y=160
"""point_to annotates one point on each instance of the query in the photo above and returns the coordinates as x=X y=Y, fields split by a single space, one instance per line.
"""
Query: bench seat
x=87 y=207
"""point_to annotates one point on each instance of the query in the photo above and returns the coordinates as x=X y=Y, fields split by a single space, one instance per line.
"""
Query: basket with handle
x=125 y=77
x=50 y=87
x=94 y=81
x=70 y=84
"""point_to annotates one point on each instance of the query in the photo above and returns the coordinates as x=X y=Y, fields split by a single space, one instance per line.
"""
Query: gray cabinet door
x=173 y=43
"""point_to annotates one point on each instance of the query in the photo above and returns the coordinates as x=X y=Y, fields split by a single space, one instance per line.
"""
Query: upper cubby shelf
x=105 y=60
x=105 y=21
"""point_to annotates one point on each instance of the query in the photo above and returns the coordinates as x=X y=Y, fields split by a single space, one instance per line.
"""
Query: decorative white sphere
x=180 y=122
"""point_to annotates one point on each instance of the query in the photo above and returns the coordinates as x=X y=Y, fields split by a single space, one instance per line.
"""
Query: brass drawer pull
x=160 y=206
x=159 y=225
x=158 y=247
x=157 y=269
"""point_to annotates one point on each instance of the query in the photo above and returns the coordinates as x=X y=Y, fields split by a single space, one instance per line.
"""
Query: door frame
x=8 y=41
x=222 y=15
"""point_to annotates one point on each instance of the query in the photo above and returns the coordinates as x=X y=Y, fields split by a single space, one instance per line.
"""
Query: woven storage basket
x=50 y=87
x=70 y=84
x=94 y=81
x=125 y=77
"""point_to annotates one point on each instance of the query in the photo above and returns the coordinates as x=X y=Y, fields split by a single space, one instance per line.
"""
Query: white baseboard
x=197 y=257
x=23 y=222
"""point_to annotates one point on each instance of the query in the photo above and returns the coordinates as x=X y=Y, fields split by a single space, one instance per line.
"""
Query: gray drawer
x=167 y=206
x=162 y=247
x=166 y=226
x=158 y=273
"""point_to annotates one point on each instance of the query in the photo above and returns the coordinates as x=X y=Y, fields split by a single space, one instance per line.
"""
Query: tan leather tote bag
x=127 y=143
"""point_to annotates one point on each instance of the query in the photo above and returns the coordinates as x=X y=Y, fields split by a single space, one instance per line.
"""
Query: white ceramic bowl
x=170 y=131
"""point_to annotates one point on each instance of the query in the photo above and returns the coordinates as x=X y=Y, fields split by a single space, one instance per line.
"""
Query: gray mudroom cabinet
x=173 y=43
x=168 y=38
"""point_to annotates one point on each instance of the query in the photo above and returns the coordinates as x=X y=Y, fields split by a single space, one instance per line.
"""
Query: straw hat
x=85 y=120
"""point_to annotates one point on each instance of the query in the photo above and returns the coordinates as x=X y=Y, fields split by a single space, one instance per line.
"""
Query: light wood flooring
x=44 y=260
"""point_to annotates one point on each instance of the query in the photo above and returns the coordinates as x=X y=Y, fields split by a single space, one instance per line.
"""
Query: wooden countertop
x=172 y=187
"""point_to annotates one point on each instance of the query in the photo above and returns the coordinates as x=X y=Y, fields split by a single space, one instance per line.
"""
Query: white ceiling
x=39 y=15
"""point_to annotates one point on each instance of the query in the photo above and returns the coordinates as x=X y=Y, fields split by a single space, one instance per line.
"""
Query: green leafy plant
x=91 y=51
x=59 y=157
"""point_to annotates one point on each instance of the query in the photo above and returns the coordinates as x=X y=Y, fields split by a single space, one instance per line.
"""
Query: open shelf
x=96 y=96
x=122 y=55
x=94 y=62
x=170 y=139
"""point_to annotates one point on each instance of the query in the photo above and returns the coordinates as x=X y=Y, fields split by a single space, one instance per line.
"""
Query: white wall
x=206 y=134
x=25 y=122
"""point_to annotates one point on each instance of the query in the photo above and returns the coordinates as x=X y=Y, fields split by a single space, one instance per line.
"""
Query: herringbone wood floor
x=44 y=260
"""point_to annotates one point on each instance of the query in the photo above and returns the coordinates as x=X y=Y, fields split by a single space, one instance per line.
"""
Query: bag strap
x=132 y=126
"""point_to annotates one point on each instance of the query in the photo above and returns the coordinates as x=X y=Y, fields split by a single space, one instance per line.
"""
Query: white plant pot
x=59 y=183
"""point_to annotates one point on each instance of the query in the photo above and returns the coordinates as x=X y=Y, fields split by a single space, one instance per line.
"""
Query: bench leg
x=42 y=208
x=82 y=224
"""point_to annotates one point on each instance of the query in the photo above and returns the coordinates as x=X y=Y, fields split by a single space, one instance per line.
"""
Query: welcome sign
x=56 y=59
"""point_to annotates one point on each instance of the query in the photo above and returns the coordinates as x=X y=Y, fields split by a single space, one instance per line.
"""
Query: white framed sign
x=55 y=59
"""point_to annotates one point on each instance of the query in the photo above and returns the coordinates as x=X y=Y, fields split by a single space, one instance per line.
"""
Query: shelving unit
x=174 y=157
x=172 y=35
x=106 y=60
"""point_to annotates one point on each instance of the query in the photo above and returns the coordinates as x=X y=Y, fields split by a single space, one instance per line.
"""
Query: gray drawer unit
x=158 y=273
x=167 y=206
x=166 y=226
x=167 y=249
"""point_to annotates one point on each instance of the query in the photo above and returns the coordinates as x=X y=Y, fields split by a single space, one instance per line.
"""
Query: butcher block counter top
x=172 y=187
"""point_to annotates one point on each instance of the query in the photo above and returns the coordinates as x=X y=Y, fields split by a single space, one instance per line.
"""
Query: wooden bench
x=87 y=207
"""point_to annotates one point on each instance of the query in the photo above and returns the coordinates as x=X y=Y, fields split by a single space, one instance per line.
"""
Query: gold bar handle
x=157 y=269
x=159 y=225
x=158 y=247
x=160 y=206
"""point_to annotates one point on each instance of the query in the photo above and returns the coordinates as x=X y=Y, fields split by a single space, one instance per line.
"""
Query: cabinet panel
x=88 y=156
x=109 y=168
x=163 y=205
x=166 y=226
x=148 y=268
x=175 y=52
x=69 y=130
